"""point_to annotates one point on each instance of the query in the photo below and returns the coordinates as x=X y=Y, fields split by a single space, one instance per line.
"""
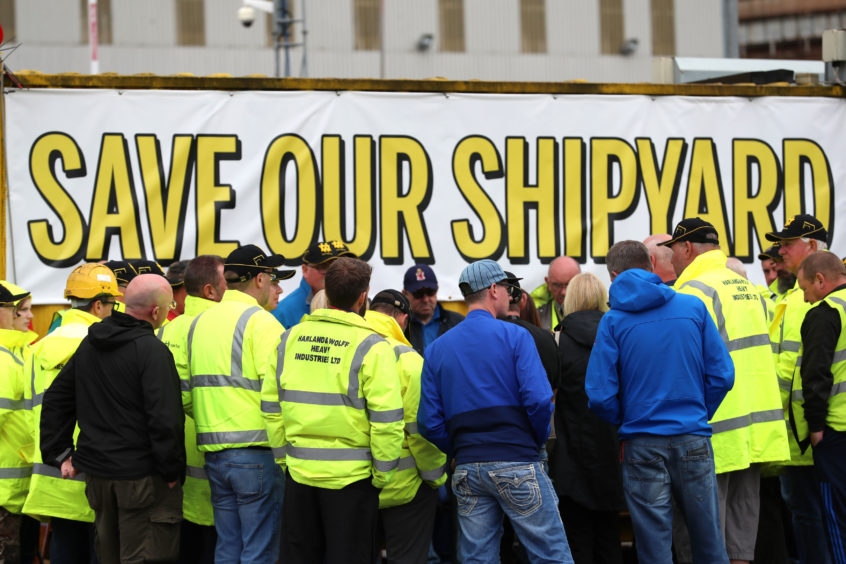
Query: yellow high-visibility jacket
x=786 y=337
x=231 y=349
x=748 y=427
x=50 y=495
x=420 y=460
x=336 y=399
x=836 y=418
x=196 y=492
x=16 y=439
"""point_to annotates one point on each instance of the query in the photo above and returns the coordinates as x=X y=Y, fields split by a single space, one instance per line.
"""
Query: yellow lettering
x=334 y=196
x=48 y=151
x=704 y=190
x=282 y=151
x=520 y=197
x=469 y=152
x=114 y=208
x=661 y=192
x=213 y=197
x=606 y=207
x=753 y=211
x=797 y=154
x=404 y=211
x=574 y=199
x=166 y=202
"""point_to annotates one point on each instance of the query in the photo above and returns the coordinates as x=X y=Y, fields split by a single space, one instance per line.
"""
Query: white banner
x=405 y=178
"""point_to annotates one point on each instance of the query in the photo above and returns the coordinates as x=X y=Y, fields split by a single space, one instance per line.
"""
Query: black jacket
x=547 y=349
x=122 y=387
x=585 y=463
x=448 y=319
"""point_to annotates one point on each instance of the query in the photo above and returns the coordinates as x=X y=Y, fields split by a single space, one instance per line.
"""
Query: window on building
x=663 y=27
x=366 y=17
x=104 y=21
x=533 y=26
x=190 y=22
x=451 y=16
x=611 y=26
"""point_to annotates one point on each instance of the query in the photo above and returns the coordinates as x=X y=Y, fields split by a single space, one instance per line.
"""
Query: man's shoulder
x=448 y=316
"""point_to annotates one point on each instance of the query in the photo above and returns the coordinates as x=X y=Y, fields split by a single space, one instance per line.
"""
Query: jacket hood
x=581 y=326
x=386 y=326
x=117 y=330
x=638 y=290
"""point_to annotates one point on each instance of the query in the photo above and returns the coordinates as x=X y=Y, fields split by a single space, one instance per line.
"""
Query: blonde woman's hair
x=585 y=292
x=319 y=301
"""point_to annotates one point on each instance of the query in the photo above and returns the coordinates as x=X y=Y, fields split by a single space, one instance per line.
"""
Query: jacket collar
x=705 y=262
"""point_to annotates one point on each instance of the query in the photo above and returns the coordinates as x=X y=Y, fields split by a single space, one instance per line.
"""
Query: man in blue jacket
x=659 y=370
x=485 y=397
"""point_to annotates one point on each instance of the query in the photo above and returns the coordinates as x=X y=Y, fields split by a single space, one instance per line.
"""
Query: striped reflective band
x=385 y=465
x=839 y=301
x=232 y=437
x=235 y=377
x=716 y=303
x=34 y=402
x=735 y=423
x=10 y=353
x=838 y=388
x=432 y=475
x=224 y=381
x=785 y=384
x=196 y=472
x=184 y=385
x=839 y=356
x=12 y=404
x=774 y=347
x=400 y=350
x=278 y=452
x=790 y=346
x=411 y=428
x=280 y=362
x=41 y=469
x=320 y=398
x=358 y=358
x=748 y=342
x=406 y=463
x=160 y=332
x=15 y=473
x=270 y=407
x=340 y=455
x=389 y=416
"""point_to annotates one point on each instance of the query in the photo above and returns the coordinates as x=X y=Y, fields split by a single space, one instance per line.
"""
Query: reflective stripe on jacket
x=49 y=495
x=786 y=336
x=420 y=461
x=335 y=410
x=749 y=425
x=231 y=349
x=196 y=492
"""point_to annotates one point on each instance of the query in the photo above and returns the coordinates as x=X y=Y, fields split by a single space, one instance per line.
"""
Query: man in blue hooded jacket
x=659 y=370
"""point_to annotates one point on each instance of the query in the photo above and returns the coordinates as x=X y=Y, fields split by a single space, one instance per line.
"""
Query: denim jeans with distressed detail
x=655 y=467
x=485 y=491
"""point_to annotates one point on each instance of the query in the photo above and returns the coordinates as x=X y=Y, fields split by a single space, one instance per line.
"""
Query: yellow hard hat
x=15 y=290
x=91 y=280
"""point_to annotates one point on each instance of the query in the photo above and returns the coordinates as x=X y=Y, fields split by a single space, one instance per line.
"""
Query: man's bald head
x=661 y=257
x=734 y=264
x=148 y=298
x=561 y=271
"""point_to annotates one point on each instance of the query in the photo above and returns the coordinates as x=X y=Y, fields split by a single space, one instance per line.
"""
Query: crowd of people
x=194 y=416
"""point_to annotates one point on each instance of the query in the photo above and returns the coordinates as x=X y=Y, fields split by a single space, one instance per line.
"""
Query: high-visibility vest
x=16 y=440
x=748 y=427
x=420 y=461
x=231 y=349
x=50 y=495
x=196 y=492
x=786 y=336
x=836 y=417
x=337 y=399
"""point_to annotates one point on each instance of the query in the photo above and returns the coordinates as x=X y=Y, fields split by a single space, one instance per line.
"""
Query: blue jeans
x=247 y=487
x=521 y=490
x=655 y=469
x=800 y=488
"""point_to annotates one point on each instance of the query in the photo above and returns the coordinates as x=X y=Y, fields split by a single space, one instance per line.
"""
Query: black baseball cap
x=512 y=279
x=123 y=271
x=176 y=273
x=801 y=225
x=249 y=260
x=695 y=230
x=8 y=298
x=146 y=267
x=770 y=253
x=320 y=253
x=394 y=298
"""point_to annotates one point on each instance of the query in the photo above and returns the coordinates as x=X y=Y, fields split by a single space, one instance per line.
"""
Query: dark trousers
x=329 y=526
x=135 y=520
x=594 y=536
x=196 y=543
x=407 y=528
x=71 y=542
x=829 y=457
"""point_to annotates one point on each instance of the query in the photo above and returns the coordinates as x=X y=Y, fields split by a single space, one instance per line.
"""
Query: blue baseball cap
x=480 y=275
x=419 y=276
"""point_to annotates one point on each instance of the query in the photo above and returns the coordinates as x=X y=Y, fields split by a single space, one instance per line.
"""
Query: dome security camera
x=246 y=15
